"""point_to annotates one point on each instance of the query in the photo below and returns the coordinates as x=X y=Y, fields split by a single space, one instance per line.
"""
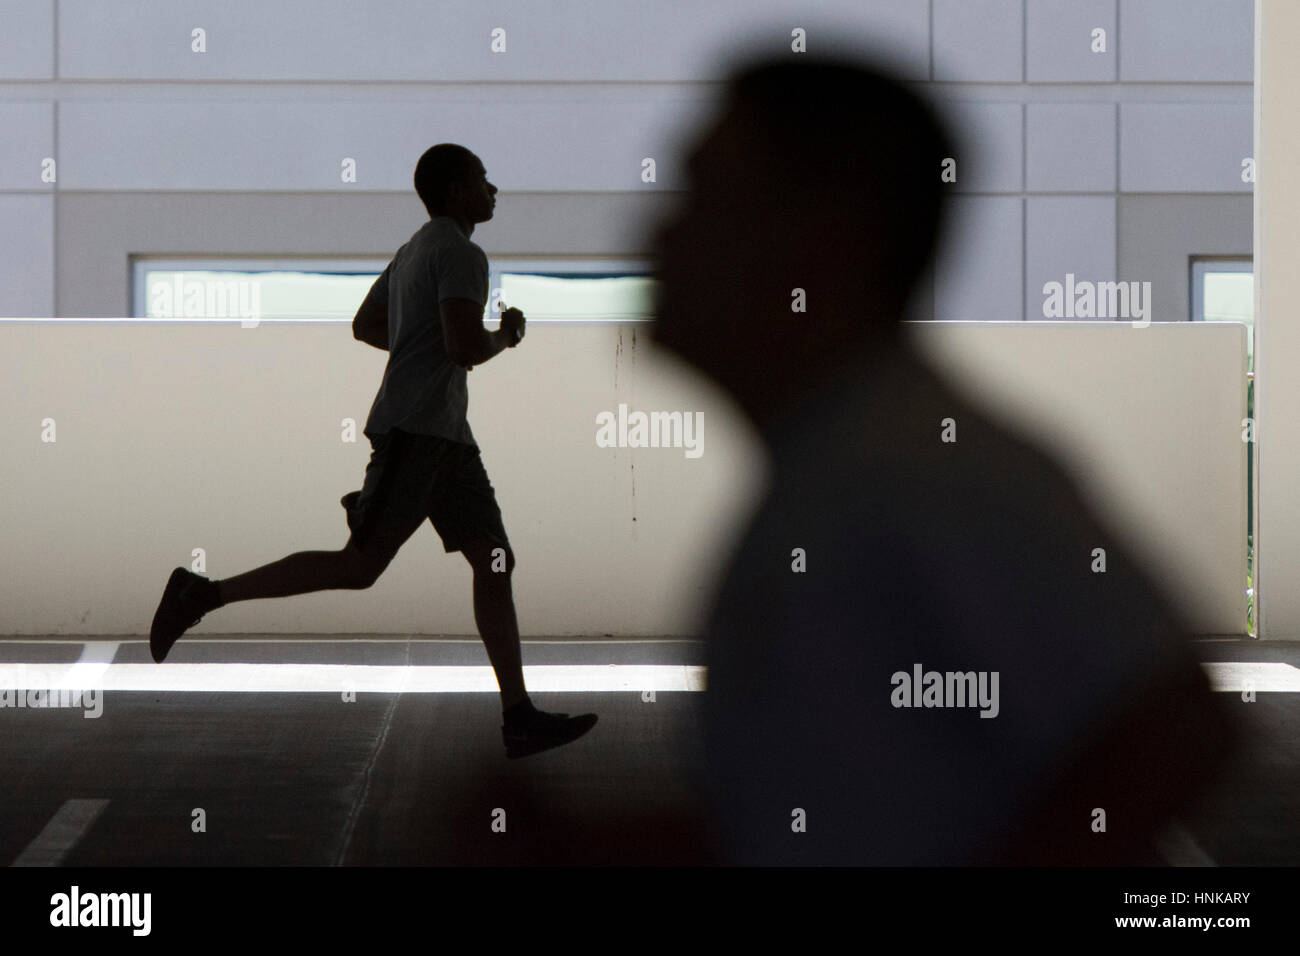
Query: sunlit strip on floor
x=362 y=678
x=389 y=679
x=1264 y=677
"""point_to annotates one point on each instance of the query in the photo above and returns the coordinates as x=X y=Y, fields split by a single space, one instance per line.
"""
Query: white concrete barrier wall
x=173 y=437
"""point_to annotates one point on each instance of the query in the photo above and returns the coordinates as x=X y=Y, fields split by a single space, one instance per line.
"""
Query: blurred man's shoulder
x=893 y=456
x=893 y=427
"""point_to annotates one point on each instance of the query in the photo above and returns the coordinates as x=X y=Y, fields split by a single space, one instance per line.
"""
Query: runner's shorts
x=411 y=477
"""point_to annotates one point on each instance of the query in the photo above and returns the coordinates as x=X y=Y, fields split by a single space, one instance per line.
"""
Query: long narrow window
x=549 y=291
x=570 y=292
x=281 y=290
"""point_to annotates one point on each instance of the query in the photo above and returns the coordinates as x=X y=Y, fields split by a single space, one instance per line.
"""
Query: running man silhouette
x=424 y=461
x=880 y=549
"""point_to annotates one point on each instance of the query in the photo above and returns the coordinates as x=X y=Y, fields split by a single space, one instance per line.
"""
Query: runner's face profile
x=476 y=195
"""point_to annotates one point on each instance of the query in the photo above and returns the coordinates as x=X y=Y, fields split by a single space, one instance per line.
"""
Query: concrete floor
x=288 y=778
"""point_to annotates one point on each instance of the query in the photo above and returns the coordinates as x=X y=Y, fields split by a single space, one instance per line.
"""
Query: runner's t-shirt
x=423 y=390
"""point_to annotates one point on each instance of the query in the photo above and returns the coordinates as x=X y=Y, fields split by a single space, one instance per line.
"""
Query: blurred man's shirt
x=973 y=555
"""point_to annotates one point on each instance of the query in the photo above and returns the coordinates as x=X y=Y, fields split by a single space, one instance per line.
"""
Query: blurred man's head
x=818 y=175
x=451 y=181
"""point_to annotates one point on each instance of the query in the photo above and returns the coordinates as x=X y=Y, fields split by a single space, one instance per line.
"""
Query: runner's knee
x=361 y=571
x=490 y=558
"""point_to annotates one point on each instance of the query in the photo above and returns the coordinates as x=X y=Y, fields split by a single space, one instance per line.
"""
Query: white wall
x=178 y=436
x=175 y=436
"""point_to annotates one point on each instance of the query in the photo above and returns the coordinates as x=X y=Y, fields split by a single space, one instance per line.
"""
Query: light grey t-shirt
x=423 y=390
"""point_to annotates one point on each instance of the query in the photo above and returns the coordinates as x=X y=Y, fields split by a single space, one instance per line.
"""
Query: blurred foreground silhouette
x=1068 y=720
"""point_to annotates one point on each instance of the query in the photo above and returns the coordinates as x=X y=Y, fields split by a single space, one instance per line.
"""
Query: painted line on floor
x=96 y=658
x=1179 y=849
x=62 y=833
